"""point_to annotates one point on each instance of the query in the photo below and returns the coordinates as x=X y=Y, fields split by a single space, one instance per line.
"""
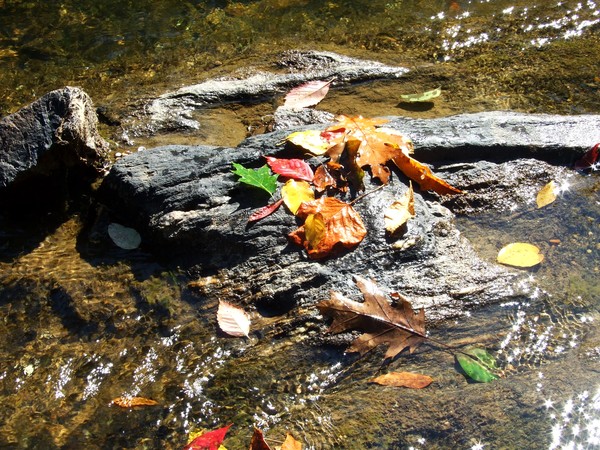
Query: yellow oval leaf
x=294 y=193
x=314 y=229
x=399 y=212
x=546 y=195
x=310 y=140
x=520 y=254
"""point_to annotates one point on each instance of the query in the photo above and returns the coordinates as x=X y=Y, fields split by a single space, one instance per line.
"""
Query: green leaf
x=260 y=178
x=478 y=364
x=423 y=97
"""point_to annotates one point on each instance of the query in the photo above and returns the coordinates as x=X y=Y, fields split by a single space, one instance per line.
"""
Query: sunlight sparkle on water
x=578 y=425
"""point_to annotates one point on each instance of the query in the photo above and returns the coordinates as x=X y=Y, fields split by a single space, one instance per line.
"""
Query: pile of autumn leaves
x=331 y=225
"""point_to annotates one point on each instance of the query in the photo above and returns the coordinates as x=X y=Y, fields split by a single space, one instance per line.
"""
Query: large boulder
x=188 y=205
x=53 y=134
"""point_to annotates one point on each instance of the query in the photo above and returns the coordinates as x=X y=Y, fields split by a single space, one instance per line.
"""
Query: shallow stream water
x=83 y=322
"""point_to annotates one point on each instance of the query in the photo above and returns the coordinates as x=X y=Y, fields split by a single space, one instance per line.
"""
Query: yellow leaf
x=290 y=443
x=399 y=212
x=520 y=254
x=314 y=229
x=546 y=195
x=310 y=140
x=294 y=193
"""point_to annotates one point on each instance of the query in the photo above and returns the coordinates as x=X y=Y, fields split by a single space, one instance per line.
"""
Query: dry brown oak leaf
x=381 y=322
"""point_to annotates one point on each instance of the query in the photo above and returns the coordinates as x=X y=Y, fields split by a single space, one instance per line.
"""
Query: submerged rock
x=54 y=133
x=174 y=110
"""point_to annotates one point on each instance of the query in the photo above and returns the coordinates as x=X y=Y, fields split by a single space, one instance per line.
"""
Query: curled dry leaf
x=265 y=211
x=422 y=174
x=520 y=254
x=210 y=440
x=232 y=320
x=423 y=96
x=404 y=379
x=291 y=168
x=294 y=193
x=546 y=195
x=307 y=94
x=335 y=225
x=399 y=212
x=130 y=402
x=589 y=159
x=396 y=326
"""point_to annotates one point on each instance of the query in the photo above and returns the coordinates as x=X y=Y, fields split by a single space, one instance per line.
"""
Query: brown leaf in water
x=258 y=441
x=404 y=379
x=232 y=320
x=397 y=325
x=334 y=226
x=131 y=402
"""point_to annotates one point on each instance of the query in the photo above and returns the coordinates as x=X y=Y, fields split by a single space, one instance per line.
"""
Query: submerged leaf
x=290 y=443
x=210 y=440
x=404 y=379
x=258 y=441
x=261 y=178
x=291 y=168
x=520 y=254
x=233 y=320
x=546 y=195
x=397 y=325
x=307 y=94
x=422 y=97
x=478 y=364
x=399 y=212
x=294 y=193
x=124 y=237
x=130 y=402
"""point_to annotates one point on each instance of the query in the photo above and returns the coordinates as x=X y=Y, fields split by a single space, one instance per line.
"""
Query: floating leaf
x=291 y=168
x=478 y=364
x=294 y=193
x=422 y=97
x=310 y=140
x=124 y=237
x=546 y=195
x=208 y=441
x=343 y=227
x=589 y=159
x=131 y=402
x=233 y=320
x=261 y=178
x=399 y=212
x=404 y=379
x=307 y=94
x=520 y=254
x=265 y=211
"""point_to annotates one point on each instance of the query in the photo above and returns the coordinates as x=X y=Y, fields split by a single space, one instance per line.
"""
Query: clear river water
x=83 y=322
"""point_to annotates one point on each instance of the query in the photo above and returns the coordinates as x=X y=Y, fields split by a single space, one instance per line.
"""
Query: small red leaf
x=208 y=441
x=307 y=94
x=589 y=158
x=265 y=211
x=291 y=168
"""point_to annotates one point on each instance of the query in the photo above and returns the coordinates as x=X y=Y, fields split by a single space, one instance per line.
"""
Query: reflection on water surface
x=84 y=322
